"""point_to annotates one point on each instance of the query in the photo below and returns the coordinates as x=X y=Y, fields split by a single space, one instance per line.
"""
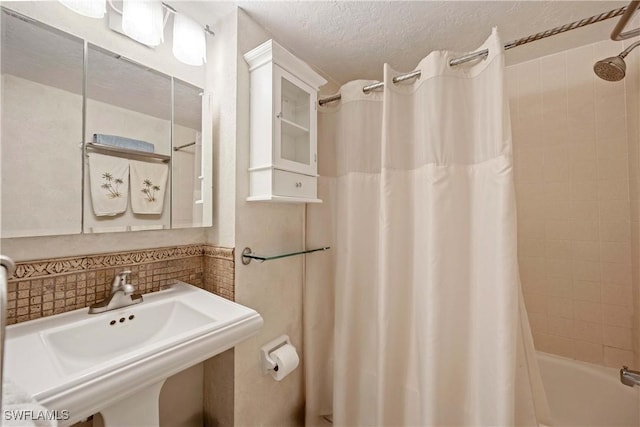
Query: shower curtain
x=430 y=327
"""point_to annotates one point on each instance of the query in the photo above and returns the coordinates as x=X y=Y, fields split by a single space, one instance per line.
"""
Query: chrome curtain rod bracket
x=510 y=45
x=248 y=255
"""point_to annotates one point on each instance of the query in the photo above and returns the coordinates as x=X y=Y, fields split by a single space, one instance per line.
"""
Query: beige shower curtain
x=429 y=326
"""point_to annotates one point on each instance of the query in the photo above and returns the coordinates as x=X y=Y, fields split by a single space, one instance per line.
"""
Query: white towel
x=20 y=409
x=109 y=182
x=148 y=186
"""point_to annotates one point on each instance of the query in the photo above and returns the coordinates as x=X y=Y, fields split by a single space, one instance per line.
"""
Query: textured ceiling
x=351 y=40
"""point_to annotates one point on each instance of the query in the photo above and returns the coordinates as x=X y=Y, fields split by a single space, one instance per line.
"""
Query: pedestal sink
x=116 y=362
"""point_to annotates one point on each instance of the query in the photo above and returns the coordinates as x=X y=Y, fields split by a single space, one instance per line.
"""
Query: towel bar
x=127 y=152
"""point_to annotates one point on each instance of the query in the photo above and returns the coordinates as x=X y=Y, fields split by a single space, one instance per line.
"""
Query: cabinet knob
x=298 y=184
x=279 y=115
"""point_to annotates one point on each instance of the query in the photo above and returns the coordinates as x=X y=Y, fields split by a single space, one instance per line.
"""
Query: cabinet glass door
x=295 y=125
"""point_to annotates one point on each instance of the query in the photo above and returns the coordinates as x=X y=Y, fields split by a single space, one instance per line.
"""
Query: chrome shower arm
x=617 y=33
x=629 y=49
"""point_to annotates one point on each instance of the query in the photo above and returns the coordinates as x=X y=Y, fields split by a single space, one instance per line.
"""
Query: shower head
x=613 y=68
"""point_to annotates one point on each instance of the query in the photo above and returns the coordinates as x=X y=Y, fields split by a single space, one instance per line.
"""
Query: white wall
x=319 y=291
x=273 y=288
x=221 y=81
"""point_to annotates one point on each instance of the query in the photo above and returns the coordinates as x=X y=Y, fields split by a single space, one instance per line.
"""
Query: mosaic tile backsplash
x=45 y=287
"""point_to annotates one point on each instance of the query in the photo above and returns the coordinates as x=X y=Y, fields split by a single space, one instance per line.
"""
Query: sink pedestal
x=139 y=410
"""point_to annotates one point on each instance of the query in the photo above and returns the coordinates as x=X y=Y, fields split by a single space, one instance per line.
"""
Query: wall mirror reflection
x=187 y=169
x=94 y=142
x=41 y=167
x=128 y=130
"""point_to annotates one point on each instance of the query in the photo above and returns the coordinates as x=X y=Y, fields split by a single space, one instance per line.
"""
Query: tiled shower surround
x=46 y=287
x=577 y=186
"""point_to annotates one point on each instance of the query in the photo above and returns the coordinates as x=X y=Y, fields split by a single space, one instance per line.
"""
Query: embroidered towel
x=148 y=186
x=109 y=183
x=122 y=142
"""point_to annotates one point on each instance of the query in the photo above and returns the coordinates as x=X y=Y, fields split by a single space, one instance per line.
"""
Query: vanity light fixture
x=88 y=8
x=144 y=22
x=189 y=44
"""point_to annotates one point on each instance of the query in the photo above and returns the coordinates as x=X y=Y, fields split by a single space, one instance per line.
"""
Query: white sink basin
x=82 y=345
x=85 y=363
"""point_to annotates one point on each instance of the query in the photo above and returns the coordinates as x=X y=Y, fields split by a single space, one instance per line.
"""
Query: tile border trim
x=58 y=266
x=218 y=252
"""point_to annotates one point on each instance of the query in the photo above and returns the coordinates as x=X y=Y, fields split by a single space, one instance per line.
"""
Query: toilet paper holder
x=267 y=363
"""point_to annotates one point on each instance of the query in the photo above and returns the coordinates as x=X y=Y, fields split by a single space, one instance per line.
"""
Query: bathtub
x=584 y=394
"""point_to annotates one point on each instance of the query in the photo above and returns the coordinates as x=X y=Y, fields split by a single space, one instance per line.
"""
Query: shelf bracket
x=248 y=255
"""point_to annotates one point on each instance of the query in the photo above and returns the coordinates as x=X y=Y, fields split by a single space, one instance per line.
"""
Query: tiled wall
x=632 y=84
x=46 y=287
x=575 y=162
x=218 y=268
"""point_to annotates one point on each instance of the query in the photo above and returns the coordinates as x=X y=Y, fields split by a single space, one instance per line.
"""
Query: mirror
x=187 y=170
x=41 y=167
x=143 y=146
x=128 y=106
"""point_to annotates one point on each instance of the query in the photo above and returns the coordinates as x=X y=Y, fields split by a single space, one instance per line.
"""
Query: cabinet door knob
x=279 y=115
x=298 y=184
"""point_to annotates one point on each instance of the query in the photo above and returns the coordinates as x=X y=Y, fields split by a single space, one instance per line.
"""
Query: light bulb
x=88 y=8
x=189 y=43
x=143 y=21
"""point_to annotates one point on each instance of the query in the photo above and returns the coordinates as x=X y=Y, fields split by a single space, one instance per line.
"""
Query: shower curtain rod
x=484 y=53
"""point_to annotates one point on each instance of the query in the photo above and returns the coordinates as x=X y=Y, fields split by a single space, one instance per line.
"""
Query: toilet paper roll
x=286 y=359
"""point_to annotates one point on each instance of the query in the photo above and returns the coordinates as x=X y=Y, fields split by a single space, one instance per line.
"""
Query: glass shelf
x=295 y=129
x=248 y=255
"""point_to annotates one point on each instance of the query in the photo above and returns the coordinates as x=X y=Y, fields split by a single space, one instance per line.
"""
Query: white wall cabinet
x=284 y=126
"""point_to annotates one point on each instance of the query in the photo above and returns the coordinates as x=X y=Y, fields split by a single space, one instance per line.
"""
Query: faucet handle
x=124 y=274
x=127 y=288
x=119 y=280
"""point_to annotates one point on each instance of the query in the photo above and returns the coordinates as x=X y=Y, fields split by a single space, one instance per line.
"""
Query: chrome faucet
x=629 y=377
x=121 y=295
